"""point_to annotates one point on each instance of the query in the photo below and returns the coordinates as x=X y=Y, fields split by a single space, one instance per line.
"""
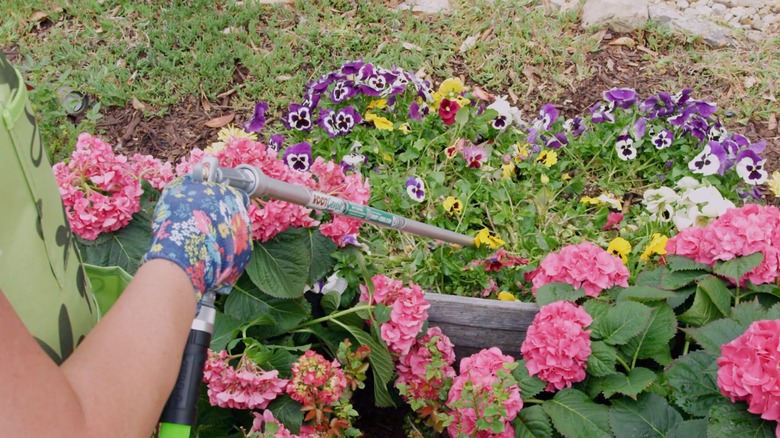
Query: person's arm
x=116 y=382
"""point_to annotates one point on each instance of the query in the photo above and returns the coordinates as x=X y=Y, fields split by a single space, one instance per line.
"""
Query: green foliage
x=648 y=416
x=574 y=414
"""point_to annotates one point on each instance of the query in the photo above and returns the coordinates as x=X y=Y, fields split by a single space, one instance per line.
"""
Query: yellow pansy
x=453 y=206
x=378 y=104
x=566 y=176
x=620 y=247
x=485 y=237
x=590 y=200
x=379 y=122
x=508 y=170
x=657 y=245
x=774 y=183
x=225 y=134
x=450 y=89
x=405 y=128
x=506 y=296
x=548 y=158
x=521 y=152
x=387 y=157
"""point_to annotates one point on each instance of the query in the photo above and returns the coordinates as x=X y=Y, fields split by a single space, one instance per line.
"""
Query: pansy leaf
x=631 y=384
x=552 y=292
x=622 y=322
x=734 y=421
x=532 y=422
x=288 y=412
x=680 y=263
x=648 y=416
x=529 y=385
x=653 y=341
x=692 y=379
x=688 y=429
x=462 y=116
x=738 y=266
x=574 y=414
x=602 y=359
x=716 y=333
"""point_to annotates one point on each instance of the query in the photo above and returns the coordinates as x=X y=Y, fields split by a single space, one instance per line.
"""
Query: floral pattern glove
x=204 y=228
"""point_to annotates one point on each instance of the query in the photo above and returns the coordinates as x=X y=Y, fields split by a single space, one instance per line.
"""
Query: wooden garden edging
x=476 y=323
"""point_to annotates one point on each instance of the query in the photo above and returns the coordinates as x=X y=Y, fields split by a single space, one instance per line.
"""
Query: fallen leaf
x=482 y=94
x=622 y=41
x=38 y=16
x=410 y=46
x=610 y=64
x=750 y=81
x=380 y=47
x=219 y=122
x=513 y=96
x=137 y=104
x=772 y=123
x=646 y=50
x=469 y=43
x=769 y=97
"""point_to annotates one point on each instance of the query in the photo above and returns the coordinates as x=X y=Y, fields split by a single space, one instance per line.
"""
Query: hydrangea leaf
x=123 y=248
x=680 y=263
x=532 y=422
x=653 y=341
x=601 y=361
x=529 y=385
x=644 y=293
x=381 y=364
x=664 y=278
x=552 y=292
x=280 y=266
x=773 y=312
x=648 y=416
x=622 y=322
x=225 y=329
x=748 y=311
x=330 y=301
x=274 y=357
x=288 y=412
x=574 y=414
x=689 y=429
x=702 y=311
x=717 y=291
x=733 y=420
x=693 y=382
x=275 y=315
x=711 y=336
x=738 y=266
x=596 y=309
x=637 y=380
x=320 y=247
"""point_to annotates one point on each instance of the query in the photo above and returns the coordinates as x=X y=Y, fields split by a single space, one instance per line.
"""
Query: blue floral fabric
x=204 y=228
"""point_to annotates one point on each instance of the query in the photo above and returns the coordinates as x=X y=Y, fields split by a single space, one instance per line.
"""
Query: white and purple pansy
x=311 y=99
x=320 y=85
x=299 y=117
x=717 y=132
x=257 y=122
x=327 y=121
x=415 y=188
x=342 y=90
x=624 y=145
x=639 y=128
x=681 y=97
x=622 y=97
x=475 y=156
x=575 y=126
x=352 y=68
x=350 y=161
x=750 y=167
x=417 y=111
x=697 y=126
x=557 y=141
x=663 y=139
x=346 y=118
x=504 y=110
x=547 y=116
x=658 y=105
x=603 y=112
x=709 y=159
x=298 y=157
x=275 y=142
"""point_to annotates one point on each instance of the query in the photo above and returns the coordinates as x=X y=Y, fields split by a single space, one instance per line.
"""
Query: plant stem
x=625 y=365
x=333 y=316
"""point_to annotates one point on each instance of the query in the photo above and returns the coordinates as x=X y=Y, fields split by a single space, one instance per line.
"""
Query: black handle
x=182 y=405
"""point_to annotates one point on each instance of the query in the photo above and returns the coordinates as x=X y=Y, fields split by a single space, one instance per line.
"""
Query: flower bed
x=635 y=234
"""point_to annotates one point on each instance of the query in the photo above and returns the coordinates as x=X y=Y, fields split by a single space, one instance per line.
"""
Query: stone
x=713 y=34
x=682 y=4
x=425 y=6
x=618 y=15
x=743 y=3
x=719 y=9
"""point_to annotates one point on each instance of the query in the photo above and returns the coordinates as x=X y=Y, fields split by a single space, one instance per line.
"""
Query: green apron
x=40 y=266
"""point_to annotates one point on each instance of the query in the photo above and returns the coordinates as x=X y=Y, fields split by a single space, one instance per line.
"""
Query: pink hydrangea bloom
x=481 y=369
x=151 y=169
x=99 y=190
x=268 y=417
x=245 y=387
x=412 y=368
x=331 y=180
x=408 y=315
x=749 y=369
x=557 y=346
x=315 y=381
x=585 y=266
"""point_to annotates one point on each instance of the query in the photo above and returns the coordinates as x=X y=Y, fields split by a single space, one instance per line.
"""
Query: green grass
x=161 y=53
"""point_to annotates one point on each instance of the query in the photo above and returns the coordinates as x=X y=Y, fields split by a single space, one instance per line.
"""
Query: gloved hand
x=204 y=228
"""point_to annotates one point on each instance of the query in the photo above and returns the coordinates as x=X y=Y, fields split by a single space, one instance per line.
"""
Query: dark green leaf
x=256 y=308
x=738 y=266
x=280 y=267
x=123 y=248
x=653 y=341
x=532 y=422
x=681 y=296
x=622 y=322
x=575 y=415
x=715 y=334
x=718 y=293
x=602 y=359
x=689 y=429
x=381 y=365
x=529 y=386
x=330 y=301
x=732 y=420
x=596 y=309
x=552 y=292
x=680 y=263
x=225 y=329
x=637 y=380
x=702 y=311
x=288 y=412
x=644 y=293
x=273 y=357
x=692 y=379
x=320 y=250
x=647 y=416
x=663 y=278
x=382 y=313
x=773 y=312
x=748 y=311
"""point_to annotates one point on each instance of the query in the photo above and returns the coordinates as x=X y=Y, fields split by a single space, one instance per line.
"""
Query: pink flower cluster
x=739 y=232
x=410 y=311
x=585 y=266
x=267 y=417
x=413 y=368
x=749 y=369
x=245 y=387
x=332 y=181
x=481 y=370
x=99 y=190
x=557 y=346
x=315 y=381
x=151 y=169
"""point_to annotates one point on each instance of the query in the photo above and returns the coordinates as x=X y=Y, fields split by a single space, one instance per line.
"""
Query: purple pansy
x=547 y=116
x=575 y=126
x=298 y=157
x=717 y=132
x=327 y=122
x=603 y=112
x=346 y=118
x=352 y=68
x=697 y=126
x=709 y=160
x=659 y=105
x=750 y=167
x=257 y=123
x=342 y=91
x=311 y=99
x=639 y=128
x=558 y=140
x=663 y=139
x=415 y=188
x=681 y=97
x=275 y=142
x=350 y=161
x=622 y=97
x=624 y=145
x=298 y=117
x=320 y=85
x=417 y=111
